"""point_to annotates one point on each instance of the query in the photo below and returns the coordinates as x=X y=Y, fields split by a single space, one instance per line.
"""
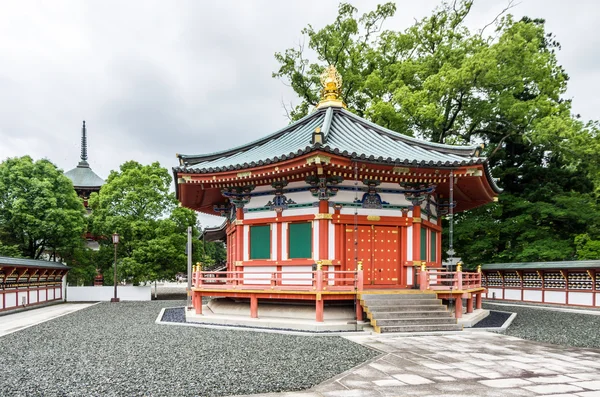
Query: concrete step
x=376 y=297
x=404 y=308
x=400 y=302
x=411 y=314
x=413 y=321
x=418 y=328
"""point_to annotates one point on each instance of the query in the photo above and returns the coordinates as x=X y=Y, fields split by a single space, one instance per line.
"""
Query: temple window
x=300 y=240
x=433 y=246
x=260 y=242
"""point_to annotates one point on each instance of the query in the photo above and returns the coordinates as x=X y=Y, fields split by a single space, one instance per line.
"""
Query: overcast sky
x=155 y=78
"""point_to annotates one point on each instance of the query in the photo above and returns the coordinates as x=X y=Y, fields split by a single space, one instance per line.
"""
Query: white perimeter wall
x=95 y=294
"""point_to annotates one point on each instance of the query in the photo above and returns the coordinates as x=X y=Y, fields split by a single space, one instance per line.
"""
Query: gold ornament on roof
x=331 y=94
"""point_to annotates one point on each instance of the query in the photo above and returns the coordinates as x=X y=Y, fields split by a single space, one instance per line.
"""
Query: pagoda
x=334 y=192
x=85 y=181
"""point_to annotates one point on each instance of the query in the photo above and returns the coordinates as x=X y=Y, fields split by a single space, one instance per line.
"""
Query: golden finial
x=423 y=266
x=478 y=268
x=459 y=267
x=319 y=265
x=360 y=265
x=331 y=80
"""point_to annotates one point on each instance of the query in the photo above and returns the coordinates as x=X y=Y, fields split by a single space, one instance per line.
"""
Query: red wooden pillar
x=470 y=304
x=478 y=301
x=253 y=306
x=458 y=307
x=239 y=235
x=198 y=302
x=403 y=277
x=319 y=308
x=416 y=234
x=323 y=230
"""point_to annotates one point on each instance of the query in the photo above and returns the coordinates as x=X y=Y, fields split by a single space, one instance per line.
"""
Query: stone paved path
x=14 y=322
x=465 y=364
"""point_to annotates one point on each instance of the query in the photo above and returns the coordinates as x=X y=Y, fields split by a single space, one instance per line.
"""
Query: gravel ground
x=561 y=328
x=118 y=350
x=495 y=319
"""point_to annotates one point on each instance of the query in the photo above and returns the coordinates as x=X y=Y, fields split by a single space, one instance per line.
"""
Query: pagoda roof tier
x=338 y=132
x=83 y=177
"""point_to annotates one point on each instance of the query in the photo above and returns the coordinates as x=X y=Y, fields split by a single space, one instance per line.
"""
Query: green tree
x=39 y=209
x=136 y=203
x=440 y=81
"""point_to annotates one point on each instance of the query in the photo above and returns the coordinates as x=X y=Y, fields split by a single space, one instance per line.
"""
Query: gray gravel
x=118 y=350
x=561 y=328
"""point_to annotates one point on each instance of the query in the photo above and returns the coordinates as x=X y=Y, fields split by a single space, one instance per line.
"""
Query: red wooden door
x=385 y=255
x=377 y=248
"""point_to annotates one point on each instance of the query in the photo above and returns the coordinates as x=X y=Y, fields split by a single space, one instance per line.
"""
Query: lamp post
x=115 y=240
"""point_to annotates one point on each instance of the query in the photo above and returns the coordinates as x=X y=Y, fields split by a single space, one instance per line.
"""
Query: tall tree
x=136 y=203
x=39 y=209
x=500 y=85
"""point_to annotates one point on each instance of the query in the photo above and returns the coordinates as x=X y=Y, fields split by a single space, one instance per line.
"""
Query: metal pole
x=189 y=267
x=115 y=299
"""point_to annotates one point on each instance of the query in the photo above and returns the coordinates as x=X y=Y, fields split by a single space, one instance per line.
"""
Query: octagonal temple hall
x=334 y=208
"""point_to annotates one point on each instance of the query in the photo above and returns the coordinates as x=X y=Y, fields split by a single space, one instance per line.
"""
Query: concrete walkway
x=10 y=323
x=465 y=364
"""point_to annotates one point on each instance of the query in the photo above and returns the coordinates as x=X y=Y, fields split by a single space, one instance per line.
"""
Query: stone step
x=411 y=314
x=400 y=302
x=406 y=308
x=376 y=297
x=413 y=321
x=418 y=328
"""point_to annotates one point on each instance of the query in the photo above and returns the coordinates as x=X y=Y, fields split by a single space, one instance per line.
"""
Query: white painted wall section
x=512 y=294
x=274 y=241
x=284 y=241
x=555 y=297
x=331 y=237
x=258 y=274
x=409 y=243
x=532 y=296
x=581 y=298
x=104 y=294
x=296 y=275
x=315 y=242
x=246 y=242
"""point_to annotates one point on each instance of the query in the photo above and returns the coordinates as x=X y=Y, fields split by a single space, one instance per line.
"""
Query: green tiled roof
x=543 y=265
x=83 y=177
x=344 y=134
x=21 y=262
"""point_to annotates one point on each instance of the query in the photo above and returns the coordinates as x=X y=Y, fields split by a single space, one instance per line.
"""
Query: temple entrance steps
x=407 y=313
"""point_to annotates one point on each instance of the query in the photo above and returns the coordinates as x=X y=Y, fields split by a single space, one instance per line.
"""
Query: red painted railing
x=319 y=280
x=442 y=280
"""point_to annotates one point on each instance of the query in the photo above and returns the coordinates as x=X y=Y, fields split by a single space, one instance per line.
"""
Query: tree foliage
x=39 y=210
x=500 y=85
x=136 y=203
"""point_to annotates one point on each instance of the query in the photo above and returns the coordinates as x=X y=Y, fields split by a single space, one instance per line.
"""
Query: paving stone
x=555 y=388
x=505 y=383
x=552 y=379
x=592 y=385
x=412 y=379
x=589 y=394
x=388 y=382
